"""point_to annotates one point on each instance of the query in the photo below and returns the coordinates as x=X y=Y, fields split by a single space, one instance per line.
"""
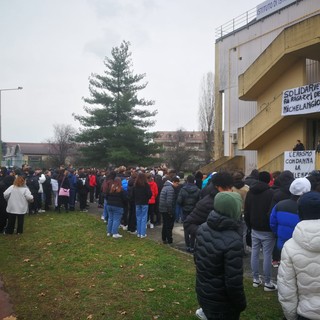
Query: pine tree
x=114 y=131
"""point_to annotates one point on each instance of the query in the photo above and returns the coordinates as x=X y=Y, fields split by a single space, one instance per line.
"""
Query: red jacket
x=92 y=180
x=154 y=191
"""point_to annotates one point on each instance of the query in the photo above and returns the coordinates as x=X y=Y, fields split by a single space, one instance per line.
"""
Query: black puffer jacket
x=218 y=259
x=167 y=198
x=200 y=213
x=256 y=206
x=188 y=197
x=282 y=192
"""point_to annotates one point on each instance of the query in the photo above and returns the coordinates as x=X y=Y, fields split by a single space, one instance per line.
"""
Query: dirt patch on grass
x=6 y=308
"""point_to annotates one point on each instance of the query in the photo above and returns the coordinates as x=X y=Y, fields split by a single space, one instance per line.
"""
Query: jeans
x=178 y=212
x=115 y=215
x=142 y=216
x=72 y=199
x=266 y=241
x=105 y=210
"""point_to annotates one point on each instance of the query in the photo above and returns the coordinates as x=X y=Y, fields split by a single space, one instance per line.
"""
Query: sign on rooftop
x=270 y=6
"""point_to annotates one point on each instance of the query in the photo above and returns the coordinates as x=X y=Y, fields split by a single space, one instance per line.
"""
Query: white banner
x=270 y=6
x=301 y=100
x=300 y=163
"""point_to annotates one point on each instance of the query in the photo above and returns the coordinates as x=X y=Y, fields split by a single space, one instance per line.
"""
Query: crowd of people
x=223 y=214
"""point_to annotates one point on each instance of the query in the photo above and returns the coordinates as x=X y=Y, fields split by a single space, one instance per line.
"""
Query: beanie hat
x=228 y=204
x=160 y=173
x=264 y=176
x=300 y=186
x=309 y=206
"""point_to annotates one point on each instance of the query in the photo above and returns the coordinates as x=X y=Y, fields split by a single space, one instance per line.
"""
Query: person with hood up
x=256 y=216
x=284 y=215
x=299 y=272
x=252 y=178
x=218 y=258
x=281 y=192
x=221 y=181
x=187 y=199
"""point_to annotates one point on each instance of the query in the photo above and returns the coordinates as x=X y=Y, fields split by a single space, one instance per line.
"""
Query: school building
x=267 y=89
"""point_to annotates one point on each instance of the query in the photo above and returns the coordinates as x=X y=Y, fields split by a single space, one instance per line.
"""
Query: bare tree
x=62 y=146
x=206 y=113
x=178 y=154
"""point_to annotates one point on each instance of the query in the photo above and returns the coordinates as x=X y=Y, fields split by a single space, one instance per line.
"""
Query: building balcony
x=265 y=126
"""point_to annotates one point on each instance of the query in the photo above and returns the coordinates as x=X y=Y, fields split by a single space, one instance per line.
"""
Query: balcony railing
x=236 y=23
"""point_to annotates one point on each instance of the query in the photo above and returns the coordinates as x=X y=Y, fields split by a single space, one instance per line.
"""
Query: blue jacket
x=283 y=219
x=72 y=180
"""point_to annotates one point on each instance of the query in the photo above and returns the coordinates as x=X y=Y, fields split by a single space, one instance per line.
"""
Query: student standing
x=141 y=194
x=18 y=197
x=299 y=272
x=257 y=218
x=167 y=202
x=116 y=201
x=219 y=260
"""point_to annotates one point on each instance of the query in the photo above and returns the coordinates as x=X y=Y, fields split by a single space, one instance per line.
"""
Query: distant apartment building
x=267 y=88
x=193 y=141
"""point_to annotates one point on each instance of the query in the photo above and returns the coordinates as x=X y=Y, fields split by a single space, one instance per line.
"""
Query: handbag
x=64 y=192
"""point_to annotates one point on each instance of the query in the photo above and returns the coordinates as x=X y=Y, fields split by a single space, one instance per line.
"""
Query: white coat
x=18 y=198
x=299 y=272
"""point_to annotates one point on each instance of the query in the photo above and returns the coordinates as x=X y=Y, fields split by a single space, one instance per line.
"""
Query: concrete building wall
x=234 y=55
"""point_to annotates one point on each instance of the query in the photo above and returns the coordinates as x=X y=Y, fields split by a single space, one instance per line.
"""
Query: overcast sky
x=50 y=48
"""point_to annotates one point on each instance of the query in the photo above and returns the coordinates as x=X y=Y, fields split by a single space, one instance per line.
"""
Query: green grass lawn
x=64 y=267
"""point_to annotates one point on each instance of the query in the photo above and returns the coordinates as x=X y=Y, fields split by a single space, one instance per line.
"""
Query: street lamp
x=10 y=89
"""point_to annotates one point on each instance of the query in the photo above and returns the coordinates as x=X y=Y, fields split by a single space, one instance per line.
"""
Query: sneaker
x=125 y=228
x=256 y=283
x=270 y=287
x=108 y=234
x=151 y=225
x=200 y=314
x=84 y=210
x=138 y=235
x=117 y=235
x=102 y=217
x=275 y=263
x=143 y=236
